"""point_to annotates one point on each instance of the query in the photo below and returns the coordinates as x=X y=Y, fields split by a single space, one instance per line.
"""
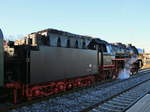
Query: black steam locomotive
x=50 y=61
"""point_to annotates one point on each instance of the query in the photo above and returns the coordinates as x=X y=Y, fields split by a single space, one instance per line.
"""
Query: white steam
x=125 y=73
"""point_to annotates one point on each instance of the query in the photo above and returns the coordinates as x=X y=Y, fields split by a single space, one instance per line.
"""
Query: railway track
x=80 y=100
x=122 y=101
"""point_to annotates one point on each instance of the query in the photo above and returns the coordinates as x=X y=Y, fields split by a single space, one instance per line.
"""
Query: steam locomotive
x=50 y=61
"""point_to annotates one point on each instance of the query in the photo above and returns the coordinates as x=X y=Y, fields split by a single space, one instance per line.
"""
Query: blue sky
x=126 y=21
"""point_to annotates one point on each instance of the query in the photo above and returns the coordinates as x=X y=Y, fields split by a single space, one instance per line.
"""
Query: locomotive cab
x=104 y=51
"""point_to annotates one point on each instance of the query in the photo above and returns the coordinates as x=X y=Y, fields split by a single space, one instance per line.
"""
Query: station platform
x=143 y=105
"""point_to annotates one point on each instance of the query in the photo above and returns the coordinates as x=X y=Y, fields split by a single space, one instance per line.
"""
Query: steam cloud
x=125 y=73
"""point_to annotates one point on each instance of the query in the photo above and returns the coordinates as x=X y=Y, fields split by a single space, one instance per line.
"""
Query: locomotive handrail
x=106 y=66
x=120 y=59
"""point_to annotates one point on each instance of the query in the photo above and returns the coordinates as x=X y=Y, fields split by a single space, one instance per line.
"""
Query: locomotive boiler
x=50 y=61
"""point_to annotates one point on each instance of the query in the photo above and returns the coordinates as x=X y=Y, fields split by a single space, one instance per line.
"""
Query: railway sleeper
x=121 y=101
x=117 y=103
x=131 y=95
x=128 y=97
x=106 y=109
x=125 y=99
x=112 y=106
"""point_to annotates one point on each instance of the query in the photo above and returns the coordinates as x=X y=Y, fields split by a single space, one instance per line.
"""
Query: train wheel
x=69 y=85
x=89 y=82
x=77 y=83
x=61 y=86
